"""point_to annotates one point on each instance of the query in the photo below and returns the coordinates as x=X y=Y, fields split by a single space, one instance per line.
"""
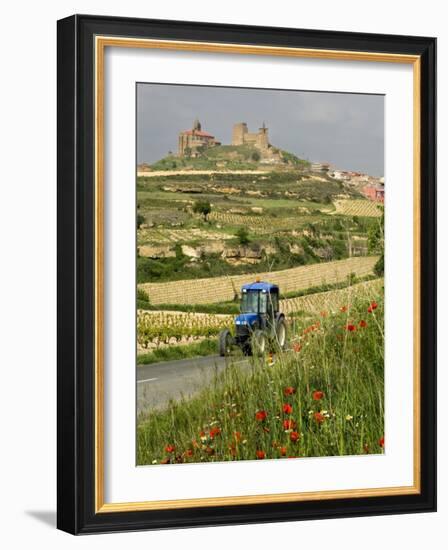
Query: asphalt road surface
x=160 y=382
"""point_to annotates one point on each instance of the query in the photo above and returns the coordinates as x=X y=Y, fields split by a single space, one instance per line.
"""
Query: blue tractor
x=260 y=325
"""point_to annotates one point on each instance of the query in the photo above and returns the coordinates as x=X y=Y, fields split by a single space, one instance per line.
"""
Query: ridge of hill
x=230 y=157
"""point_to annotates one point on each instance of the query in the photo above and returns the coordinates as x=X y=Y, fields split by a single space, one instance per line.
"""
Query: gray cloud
x=346 y=130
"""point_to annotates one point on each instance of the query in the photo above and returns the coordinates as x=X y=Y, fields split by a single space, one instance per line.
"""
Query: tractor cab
x=260 y=324
x=259 y=305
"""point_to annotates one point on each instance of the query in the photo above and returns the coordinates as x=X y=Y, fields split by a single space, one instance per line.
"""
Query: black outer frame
x=75 y=380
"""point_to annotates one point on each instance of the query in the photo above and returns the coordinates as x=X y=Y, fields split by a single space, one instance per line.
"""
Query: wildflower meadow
x=324 y=396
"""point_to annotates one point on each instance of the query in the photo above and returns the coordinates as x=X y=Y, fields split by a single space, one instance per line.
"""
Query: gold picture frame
x=97 y=37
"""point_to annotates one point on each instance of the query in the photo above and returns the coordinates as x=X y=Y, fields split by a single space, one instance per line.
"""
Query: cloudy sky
x=346 y=130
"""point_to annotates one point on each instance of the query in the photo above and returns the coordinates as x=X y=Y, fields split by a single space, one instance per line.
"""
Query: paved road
x=160 y=382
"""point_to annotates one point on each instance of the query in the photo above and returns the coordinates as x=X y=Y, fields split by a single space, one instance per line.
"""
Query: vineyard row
x=222 y=289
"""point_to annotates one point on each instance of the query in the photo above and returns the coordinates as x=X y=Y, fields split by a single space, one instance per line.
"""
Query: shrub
x=202 y=207
x=243 y=235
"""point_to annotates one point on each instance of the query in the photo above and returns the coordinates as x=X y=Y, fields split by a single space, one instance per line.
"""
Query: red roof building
x=191 y=142
x=374 y=192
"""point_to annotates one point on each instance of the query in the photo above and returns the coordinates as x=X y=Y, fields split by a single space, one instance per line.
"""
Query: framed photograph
x=246 y=274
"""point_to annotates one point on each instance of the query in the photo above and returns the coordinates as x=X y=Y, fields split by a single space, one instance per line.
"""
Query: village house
x=374 y=192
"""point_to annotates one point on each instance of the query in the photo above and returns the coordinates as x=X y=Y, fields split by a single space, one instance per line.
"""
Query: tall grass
x=324 y=397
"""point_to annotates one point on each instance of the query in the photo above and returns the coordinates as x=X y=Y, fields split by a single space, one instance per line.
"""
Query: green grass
x=227 y=308
x=345 y=418
x=172 y=353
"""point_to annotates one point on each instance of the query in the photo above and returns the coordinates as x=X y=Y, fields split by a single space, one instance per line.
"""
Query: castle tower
x=238 y=133
x=262 y=138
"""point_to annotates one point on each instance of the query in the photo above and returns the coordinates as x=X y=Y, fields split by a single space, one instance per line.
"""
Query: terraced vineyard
x=333 y=299
x=159 y=328
x=174 y=327
x=222 y=289
x=358 y=208
x=254 y=222
x=172 y=236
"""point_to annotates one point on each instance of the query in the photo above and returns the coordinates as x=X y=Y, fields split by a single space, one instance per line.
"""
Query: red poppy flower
x=350 y=328
x=287 y=408
x=289 y=424
x=170 y=448
x=344 y=309
x=189 y=452
x=318 y=395
x=297 y=347
x=260 y=454
x=373 y=305
x=362 y=323
x=381 y=442
x=294 y=436
x=319 y=417
x=289 y=390
x=261 y=415
x=283 y=451
x=214 y=432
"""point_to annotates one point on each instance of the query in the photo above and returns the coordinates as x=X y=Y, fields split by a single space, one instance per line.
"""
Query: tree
x=243 y=235
x=202 y=207
x=256 y=156
x=375 y=242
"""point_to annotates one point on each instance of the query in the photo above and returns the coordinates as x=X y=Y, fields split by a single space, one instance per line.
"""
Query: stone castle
x=241 y=136
x=192 y=142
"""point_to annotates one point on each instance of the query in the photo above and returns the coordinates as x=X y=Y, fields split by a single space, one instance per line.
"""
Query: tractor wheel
x=258 y=343
x=225 y=343
x=280 y=334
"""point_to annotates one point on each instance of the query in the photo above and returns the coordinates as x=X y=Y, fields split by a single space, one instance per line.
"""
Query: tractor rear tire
x=258 y=343
x=225 y=343
x=281 y=333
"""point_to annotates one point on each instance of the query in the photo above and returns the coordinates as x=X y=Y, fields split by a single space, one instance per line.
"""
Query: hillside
x=232 y=157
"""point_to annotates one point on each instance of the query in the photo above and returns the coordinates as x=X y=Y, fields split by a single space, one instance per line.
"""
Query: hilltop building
x=374 y=192
x=242 y=136
x=192 y=141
